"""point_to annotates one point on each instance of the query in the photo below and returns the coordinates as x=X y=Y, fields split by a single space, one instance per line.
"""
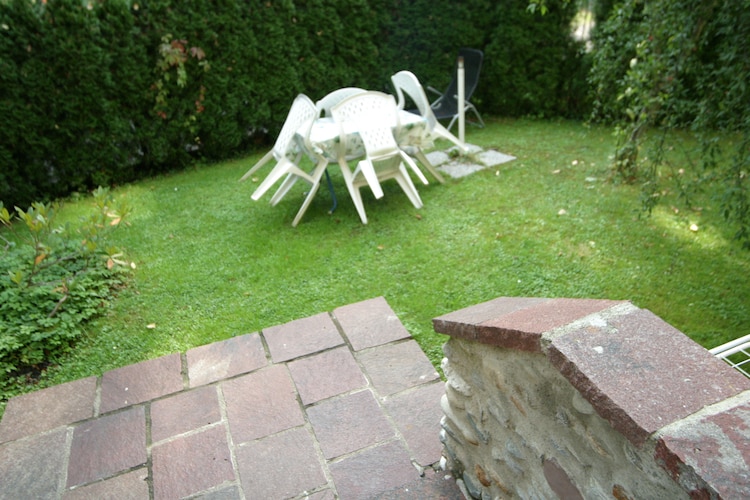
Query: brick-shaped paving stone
x=48 y=408
x=192 y=463
x=417 y=414
x=225 y=359
x=183 y=412
x=321 y=495
x=349 y=423
x=326 y=374
x=261 y=403
x=301 y=337
x=228 y=493
x=132 y=485
x=395 y=367
x=370 y=323
x=373 y=471
x=103 y=447
x=433 y=486
x=230 y=423
x=281 y=466
x=33 y=467
x=141 y=382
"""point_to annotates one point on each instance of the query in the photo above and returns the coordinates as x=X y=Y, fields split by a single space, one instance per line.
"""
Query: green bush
x=53 y=280
x=533 y=64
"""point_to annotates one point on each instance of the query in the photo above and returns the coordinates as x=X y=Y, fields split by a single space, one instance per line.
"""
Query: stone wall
x=576 y=398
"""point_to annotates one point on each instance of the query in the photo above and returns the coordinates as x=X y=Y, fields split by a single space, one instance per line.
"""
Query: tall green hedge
x=99 y=92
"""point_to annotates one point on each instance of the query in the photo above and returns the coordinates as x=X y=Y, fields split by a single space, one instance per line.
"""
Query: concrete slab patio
x=338 y=405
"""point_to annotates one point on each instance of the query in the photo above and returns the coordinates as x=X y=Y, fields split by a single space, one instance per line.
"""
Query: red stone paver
x=261 y=403
x=370 y=323
x=301 y=337
x=47 y=409
x=225 y=359
x=282 y=413
x=433 y=486
x=141 y=382
x=231 y=492
x=349 y=423
x=326 y=374
x=183 y=412
x=132 y=485
x=108 y=445
x=281 y=466
x=192 y=463
x=417 y=414
x=378 y=469
x=321 y=495
x=33 y=467
x=398 y=366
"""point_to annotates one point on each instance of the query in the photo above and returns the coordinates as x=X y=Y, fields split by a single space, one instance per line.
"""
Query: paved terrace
x=340 y=405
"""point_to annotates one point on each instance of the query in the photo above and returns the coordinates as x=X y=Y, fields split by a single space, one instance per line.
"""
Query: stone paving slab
x=192 y=463
x=45 y=410
x=105 y=446
x=335 y=406
x=131 y=485
x=220 y=360
x=456 y=165
x=397 y=366
x=141 y=382
x=34 y=467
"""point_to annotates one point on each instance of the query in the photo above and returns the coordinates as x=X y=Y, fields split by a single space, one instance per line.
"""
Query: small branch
x=58 y=305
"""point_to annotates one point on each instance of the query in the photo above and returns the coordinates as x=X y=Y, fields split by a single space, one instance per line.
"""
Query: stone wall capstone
x=580 y=398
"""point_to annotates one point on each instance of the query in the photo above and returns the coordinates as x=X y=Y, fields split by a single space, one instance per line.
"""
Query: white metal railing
x=736 y=353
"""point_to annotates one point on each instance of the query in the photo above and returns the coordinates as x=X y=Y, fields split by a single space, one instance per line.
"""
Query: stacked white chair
x=325 y=104
x=287 y=152
x=405 y=82
x=374 y=116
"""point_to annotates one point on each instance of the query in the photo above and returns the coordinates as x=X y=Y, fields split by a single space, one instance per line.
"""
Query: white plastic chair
x=736 y=353
x=373 y=116
x=287 y=152
x=325 y=104
x=405 y=82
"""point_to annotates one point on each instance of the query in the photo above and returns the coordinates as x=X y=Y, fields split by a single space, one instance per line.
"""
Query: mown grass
x=212 y=264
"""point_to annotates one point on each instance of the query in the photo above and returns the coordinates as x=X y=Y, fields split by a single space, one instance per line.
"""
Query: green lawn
x=212 y=263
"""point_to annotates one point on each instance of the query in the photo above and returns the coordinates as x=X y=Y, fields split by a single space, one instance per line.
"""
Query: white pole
x=461 y=94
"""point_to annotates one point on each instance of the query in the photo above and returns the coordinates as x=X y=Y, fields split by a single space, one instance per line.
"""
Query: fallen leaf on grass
x=151 y=326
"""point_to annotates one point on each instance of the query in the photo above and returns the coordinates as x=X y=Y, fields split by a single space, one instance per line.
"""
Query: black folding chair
x=446 y=106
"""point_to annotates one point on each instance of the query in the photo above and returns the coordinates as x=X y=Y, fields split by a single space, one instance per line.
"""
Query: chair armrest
x=433 y=89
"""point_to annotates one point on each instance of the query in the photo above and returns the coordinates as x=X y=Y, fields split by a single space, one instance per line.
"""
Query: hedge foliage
x=100 y=92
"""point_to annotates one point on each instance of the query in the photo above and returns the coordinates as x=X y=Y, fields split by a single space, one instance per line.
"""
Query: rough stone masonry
x=576 y=398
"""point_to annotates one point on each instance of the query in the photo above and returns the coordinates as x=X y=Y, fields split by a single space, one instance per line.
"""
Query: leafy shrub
x=53 y=280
